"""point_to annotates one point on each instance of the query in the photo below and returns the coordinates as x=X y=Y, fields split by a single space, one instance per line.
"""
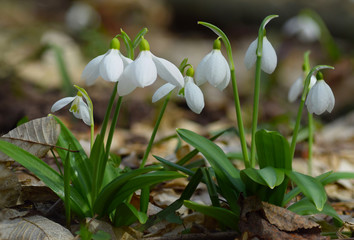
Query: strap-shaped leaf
x=45 y=173
x=306 y=207
x=224 y=216
x=216 y=157
x=311 y=187
x=36 y=137
x=272 y=150
x=126 y=214
x=267 y=176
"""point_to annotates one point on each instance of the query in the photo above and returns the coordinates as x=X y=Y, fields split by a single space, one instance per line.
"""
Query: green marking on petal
x=115 y=44
x=190 y=72
x=217 y=44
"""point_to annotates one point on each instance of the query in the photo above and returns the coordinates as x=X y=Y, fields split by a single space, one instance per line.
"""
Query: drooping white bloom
x=213 y=68
x=144 y=69
x=297 y=88
x=320 y=98
x=269 y=57
x=192 y=93
x=109 y=66
x=78 y=107
x=304 y=27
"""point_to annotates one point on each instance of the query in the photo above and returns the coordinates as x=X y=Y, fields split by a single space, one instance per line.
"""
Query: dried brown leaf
x=36 y=136
x=10 y=188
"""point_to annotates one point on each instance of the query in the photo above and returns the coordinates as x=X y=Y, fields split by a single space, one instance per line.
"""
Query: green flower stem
x=157 y=124
x=255 y=110
x=227 y=44
x=113 y=126
x=310 y=143
x=67 y=176
x=301 y=106
x=108 y=111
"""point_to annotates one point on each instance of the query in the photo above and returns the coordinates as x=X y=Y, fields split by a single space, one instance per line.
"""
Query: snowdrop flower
x=297 y=87
x=213 y=68
x=304 y=27
x=144 y=69
x=192 y=93
x=78 y=107
x=109 y=65
x=269 y=57
x=320 y=97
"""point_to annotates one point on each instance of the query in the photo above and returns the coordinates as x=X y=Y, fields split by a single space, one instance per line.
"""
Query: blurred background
x=45 y=45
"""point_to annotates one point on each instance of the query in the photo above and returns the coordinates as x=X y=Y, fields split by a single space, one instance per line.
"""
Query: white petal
x=216 y=70
x=61 y=103
x=200 y=72
x=269 y=57
x=111 y=66
x=126 y=84
x=295 y=90
x=162 y=91
x=318 y=100
x=126 y=61
x=251 y=56
x=330 y=98
x=84 y=113
x=313 y=80
x=194 y=97
x=168 y=71
x=91 y=71
x=144 y=70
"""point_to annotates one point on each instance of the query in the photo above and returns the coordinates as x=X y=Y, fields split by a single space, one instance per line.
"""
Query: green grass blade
x=224 y=216
x=175 y=166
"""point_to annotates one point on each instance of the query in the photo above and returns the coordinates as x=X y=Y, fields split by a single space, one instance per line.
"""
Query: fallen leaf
x=36 y=137
x=10 y=188
x=267 y=221
x=33 y=228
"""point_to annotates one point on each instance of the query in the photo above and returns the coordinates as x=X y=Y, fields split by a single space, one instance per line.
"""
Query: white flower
x=78 y=107
x=214 y=69
x=109 y=66
x=143 y=72
x=269 y=57
x=297 y=88
x=192 y=93
x=320 y=98
x=304 y=27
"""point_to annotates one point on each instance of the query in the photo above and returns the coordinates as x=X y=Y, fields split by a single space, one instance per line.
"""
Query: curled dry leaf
x=36 y=136
x=9 y=187
x=267 y=221
x=34 y=227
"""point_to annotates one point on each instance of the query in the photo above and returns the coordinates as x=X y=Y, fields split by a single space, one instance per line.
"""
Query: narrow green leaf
x=97 y=158
x=272 y=150
x=306 y=207
x=215 y=156
x=45 y=173
x=175 y=166
x=294 y=192
x=81 y=167
x=211 y=187
x=224 y=216
x=67 y=177
x=272 y=176
x=126 y=214
x=172 y=208
x=139 y=182
x=105 y=196
x=337 y=176
x=311 y=187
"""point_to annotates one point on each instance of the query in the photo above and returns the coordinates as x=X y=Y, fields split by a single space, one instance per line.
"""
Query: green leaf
x=216 y=157
x=311 y=187
x=106 y=195
x=126 y=214
x=267 y=176
x=272 y=150
x=337 y=176
x=306 y=207
x=81 y=167
x=224 y=216
x=211 y=187
x=174 y=166
x=45 y=173
x=139 y=182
